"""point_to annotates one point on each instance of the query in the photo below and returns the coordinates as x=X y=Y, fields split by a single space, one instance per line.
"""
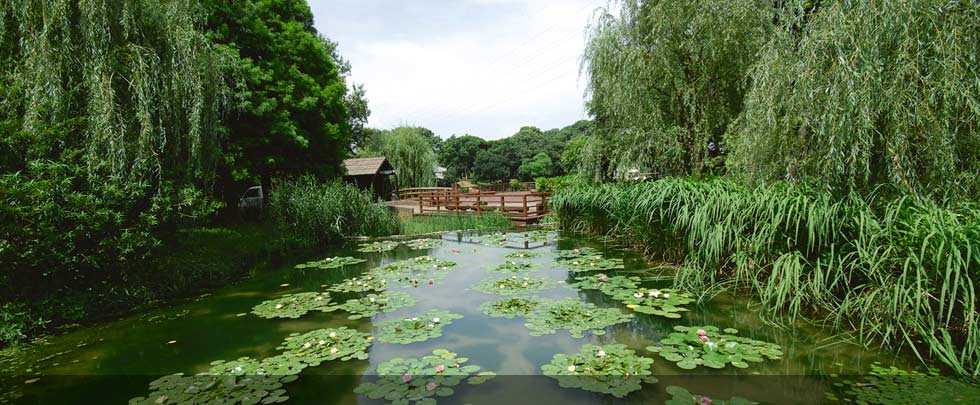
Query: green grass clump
x=421 y=224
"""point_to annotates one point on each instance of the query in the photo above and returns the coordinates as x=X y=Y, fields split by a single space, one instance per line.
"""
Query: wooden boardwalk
x=522 y=207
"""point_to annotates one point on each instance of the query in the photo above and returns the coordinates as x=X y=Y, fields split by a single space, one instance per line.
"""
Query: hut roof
x=368 y=166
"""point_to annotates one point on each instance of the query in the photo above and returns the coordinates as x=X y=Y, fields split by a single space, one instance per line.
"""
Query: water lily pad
x=579 y=253
x=294 y=305
x=693 y=346
x=427 y=243
x=668 y=303
x=540 y=236
x=497 y=239
x=575 y=316
x=610 y=369
x=587 y=259
x=513 y=267
x=421 y=263
x=513 y=285
x=521 y=255
x=606 y=284
x=226 y=389
x=895 y=386
x=415 y=329
x=681 y=396
x=330 y=263
x=377 y=247
x=510 y=307
x=421 y=380
x=372 y=304
x=360 y=284
x=313 y=348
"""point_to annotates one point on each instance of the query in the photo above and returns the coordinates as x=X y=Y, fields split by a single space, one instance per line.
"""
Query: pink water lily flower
x=705 y=400
x=454 y=250
x=603 y=278
x=406 y=378
x=431 y=386
x=440 y=368
x=704 y=339
x=701 y=332
x=431 y=281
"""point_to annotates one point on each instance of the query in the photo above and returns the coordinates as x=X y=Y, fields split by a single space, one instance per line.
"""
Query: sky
x=479 y=67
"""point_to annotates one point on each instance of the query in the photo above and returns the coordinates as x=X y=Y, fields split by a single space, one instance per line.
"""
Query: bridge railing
x=414 y=192
x=519 y=206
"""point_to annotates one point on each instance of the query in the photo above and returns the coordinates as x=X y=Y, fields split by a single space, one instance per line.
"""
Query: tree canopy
x=409 y=150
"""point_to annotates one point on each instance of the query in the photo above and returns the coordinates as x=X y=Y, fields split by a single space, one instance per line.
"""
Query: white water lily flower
x=333 y=334
x=415 y=319
x=307 y=345
x=445 y=268
x=278 y=306
x=638 y=295
x=436 y=320
x=571 y=367
x=333 y=350
x=689 y=348
x=238 y=369
x=321 y=343
x=431 y=326
x=666 y=295
x=372 y=299
x=575 y=263
x=524 y=285
x=600 y=353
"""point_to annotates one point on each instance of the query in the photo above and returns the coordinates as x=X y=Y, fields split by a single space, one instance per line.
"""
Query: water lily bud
x=440 y=368
x=603 y=278
x=431 y=281
x=571 y=367
x=705 y=400
x=406 y=378
x=431 y=386
x=701 y=332
x=704 y=339
x=601 y=353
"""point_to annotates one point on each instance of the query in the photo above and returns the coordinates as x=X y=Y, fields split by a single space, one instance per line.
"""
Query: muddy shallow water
x=113 y=362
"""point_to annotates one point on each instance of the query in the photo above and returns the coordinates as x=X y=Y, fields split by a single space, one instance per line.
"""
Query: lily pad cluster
x=510 y=307
x=415 y=264
x=206 y=389
x=422 y=380
x=360 y=284
x=573 y=315
x=313 y=348
x=681 y=396
x=330 y=263
x=610 y=369
x=668 y=303
x=609 y=285
x=540 y=236
x=514 y=267
x=513 y=285
x=372 y=304
x=693 y=346
x=521 y=255
x=416 y=329
x=378 y=247
x=427 y=243
x=579 y=253
x=497 y=239
x=294 y=305
x=895 y=386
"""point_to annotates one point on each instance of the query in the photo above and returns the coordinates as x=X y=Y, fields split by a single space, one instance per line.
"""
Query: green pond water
x=116 y=361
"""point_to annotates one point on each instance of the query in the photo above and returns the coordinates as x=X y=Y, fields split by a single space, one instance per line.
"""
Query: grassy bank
x=897 y=271
x=420 y=224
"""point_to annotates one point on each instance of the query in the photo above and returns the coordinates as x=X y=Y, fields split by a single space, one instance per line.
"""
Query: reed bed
x=418 y=224
x=898 y=271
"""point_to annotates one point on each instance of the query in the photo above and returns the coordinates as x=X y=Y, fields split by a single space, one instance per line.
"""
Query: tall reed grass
x=898 y=271
x=309 y=213
x=437 y=223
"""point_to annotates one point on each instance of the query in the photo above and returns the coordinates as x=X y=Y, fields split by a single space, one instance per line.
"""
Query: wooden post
x=524 y=206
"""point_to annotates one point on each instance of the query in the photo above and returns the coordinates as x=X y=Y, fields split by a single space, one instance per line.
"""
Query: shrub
x=552 y=184
x=310 y=213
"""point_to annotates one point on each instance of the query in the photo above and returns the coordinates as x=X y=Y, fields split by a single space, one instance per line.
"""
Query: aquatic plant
x=377 y=247
x=330 y=263
x=371 y=304
x=496 y=239
x=693 y=346
x=587 y=259
x=415 y=329
x=415 y=263
x=574 y=315
x=609 y=369
x=360 y=284
x=609 y=285
x=315 y=347
x=206 y=389
x=578 y=253
x=294 y=305
x=891 y=385
x=510 y=307
x=426 y=243
x=521 y=255
x=681 y=396
x=540 y=236
x=513 y=285
x=667 y=302
x=513 y=267
x=421 y=380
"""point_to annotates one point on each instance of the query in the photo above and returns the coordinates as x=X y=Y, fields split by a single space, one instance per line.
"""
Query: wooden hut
x=373 y=174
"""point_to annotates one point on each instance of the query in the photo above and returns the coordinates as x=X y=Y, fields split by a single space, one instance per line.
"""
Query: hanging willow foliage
x=859 y=93
x=142 y=82
x=665 y=80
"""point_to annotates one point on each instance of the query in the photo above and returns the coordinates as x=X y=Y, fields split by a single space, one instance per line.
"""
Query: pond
x=544 y=319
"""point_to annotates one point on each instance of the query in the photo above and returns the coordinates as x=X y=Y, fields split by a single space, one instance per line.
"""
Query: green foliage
x=294 y=305
x=521 y=255
x=538 y=166
x=371 y=304
x=609 y=369
x=458 y=155
x=693 y=346
x=419 y=381
x=668 y=303
x=587 y=259
x=513 y=285
x=552 y=184
x=207 y=388
x=410 y=151
x=502 y=159
x=666 y=79
x=893 y=268
x=892 y=386
x=855 y=94
x=681 y=396
x=415 y=329
x=360 y=284
x=514 y=267
x=576 y=316
x=310 y=213
x=421 y=263
x=510 y=307
x=378 y=246
x=423 y=244
x=315 y=347
x=330 y=263
x=418 y=224
x=607 y=285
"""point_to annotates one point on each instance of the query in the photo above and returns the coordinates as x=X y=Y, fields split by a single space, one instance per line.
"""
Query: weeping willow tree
x=861 y=93
x=665 y=79
x=409 y=152
x=130 y=85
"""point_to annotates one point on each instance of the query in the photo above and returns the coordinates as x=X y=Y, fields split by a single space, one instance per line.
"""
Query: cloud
x=484 y=67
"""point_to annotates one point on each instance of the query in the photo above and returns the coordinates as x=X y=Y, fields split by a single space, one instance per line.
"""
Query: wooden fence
x=518 y=206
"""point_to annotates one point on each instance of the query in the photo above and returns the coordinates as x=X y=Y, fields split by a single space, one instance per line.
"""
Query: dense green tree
x=492 y=165
x=409 y=150
x=538 y=166
x=458 y=155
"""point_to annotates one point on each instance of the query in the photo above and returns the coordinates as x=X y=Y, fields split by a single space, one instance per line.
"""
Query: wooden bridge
x=522 y=207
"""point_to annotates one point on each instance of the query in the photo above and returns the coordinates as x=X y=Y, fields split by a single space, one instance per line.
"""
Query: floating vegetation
x=313 y=348
x=497 y=239
x=610 y=369
x=415 y=264
x=372 y=304
x=377 y=247
x=693 y=346
x=579 y=253
x=416 y=329
x=360 y=284
x=521 y=255
x=575 y=316
x=427 y=243
x=592 y=263
x=330 y=263
x=607 y=285
x=420 y=381
x=540 y=236
x=294 y=305
x=667 y=303
x=225 y=389
x=510 y=307
x=514 y=267
x=513 y=285
x=681 y=396
x=895 y=386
